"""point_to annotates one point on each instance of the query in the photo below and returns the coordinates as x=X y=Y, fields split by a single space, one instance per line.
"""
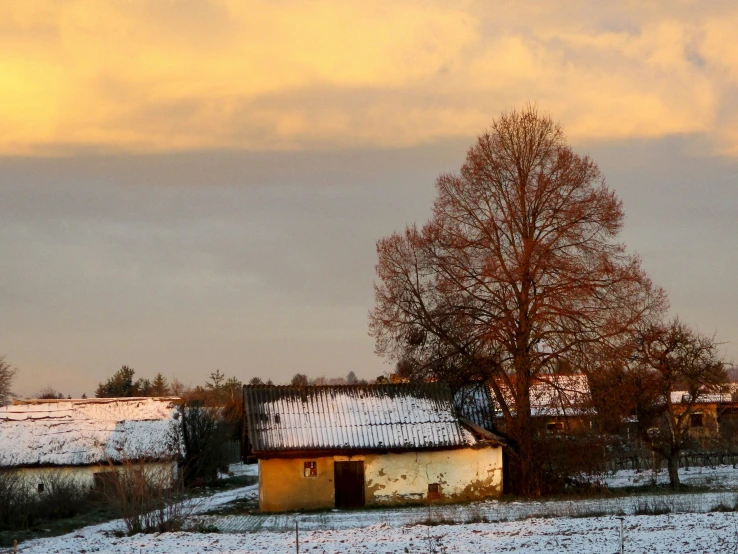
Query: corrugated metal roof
x=355 y=417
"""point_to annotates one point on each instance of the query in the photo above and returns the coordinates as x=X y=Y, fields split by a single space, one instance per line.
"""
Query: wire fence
x=644 y=460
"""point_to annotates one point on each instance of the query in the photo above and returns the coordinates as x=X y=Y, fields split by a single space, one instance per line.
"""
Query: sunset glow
x=142 y=76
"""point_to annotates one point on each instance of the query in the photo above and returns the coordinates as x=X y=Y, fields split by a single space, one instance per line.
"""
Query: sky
x=188 y=186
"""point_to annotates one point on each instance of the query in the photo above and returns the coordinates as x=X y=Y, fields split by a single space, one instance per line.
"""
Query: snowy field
x=583 y=526
x=717 y=478
x=682 y=533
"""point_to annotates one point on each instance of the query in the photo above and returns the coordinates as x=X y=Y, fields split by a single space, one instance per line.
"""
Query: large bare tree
x=518 y=269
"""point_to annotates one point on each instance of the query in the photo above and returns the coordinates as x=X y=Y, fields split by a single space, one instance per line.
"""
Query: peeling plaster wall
x=464 y=474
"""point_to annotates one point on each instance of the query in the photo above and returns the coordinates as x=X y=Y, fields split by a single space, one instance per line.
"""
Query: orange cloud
x=156 y=76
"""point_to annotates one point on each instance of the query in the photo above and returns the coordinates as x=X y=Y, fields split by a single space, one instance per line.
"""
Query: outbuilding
x=365 y=445
x=82 y=440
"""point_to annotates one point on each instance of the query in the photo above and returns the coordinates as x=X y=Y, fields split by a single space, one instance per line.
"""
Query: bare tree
x=7 y=373
x=48 y=393
x=675 y=369
x=177 y=388
x=518 y=268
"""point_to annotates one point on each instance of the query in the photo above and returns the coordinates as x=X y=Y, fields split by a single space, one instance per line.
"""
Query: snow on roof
x=353 y=417
x=682 y=396
x=83 y=432
x=559 y=395
x=556 y=395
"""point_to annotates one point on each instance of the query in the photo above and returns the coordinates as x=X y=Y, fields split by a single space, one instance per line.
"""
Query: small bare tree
x=669 y=357
x=148 y=499
x=7 y=373
x=48 y=393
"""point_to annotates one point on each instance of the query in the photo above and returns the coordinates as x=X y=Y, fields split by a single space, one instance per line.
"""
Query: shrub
x=149 y=500
x=21 y=506
x=14 y=501
x=203 y=433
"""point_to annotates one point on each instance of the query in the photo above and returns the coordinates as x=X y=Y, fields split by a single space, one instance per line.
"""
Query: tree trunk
x=673 y=463
x=526 y=478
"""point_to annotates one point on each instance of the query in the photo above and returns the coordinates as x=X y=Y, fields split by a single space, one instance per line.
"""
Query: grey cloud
x=262 y=263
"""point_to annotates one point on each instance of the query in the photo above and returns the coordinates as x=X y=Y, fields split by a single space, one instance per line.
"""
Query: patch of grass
x=55 y=528
x=203 y=527
x=651 y=507
x=722 y=507
x=240 y=506
x=433 y=521
x=233 y=483
x=473 y=514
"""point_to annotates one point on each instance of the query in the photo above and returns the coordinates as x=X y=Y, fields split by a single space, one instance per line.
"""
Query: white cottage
x=86 y=438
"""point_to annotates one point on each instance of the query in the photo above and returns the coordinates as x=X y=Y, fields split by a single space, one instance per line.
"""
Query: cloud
x=141 y=76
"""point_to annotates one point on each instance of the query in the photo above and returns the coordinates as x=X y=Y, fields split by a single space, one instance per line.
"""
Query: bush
x=21 y=506
x=203 y=433
x=569 y=460
x=148 y=499
x=14 y=501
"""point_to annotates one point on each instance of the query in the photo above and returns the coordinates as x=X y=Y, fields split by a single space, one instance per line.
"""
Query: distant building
x=357 y=445
x=560 y=402
x=712 y=416
x=87 y=438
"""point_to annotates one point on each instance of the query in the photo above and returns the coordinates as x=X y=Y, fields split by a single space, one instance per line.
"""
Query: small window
x=434 y=491
x=40 y=487
x=311 y=469
x=556 y=426
x=695 y=420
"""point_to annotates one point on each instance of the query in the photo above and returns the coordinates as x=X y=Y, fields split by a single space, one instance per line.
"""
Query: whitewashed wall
x=83 y=476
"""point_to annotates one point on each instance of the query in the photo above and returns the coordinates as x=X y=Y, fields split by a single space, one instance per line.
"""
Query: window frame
x=310 y=468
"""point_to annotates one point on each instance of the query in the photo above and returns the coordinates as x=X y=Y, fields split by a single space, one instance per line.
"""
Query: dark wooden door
x=349 y=481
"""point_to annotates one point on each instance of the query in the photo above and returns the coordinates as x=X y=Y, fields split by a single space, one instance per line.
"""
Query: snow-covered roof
x=353 y=417
x=560 y=395
x=83 y=432
x=556 y=395
x=679 y=397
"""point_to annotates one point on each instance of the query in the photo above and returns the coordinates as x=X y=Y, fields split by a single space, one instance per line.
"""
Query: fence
x=644 y=460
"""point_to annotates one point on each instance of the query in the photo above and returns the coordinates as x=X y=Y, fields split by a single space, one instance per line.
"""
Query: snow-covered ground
x=682 y=533
x=493 y=511
x=196 y=506
x=242 y=470
x=716 y=478
x=571 y=525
